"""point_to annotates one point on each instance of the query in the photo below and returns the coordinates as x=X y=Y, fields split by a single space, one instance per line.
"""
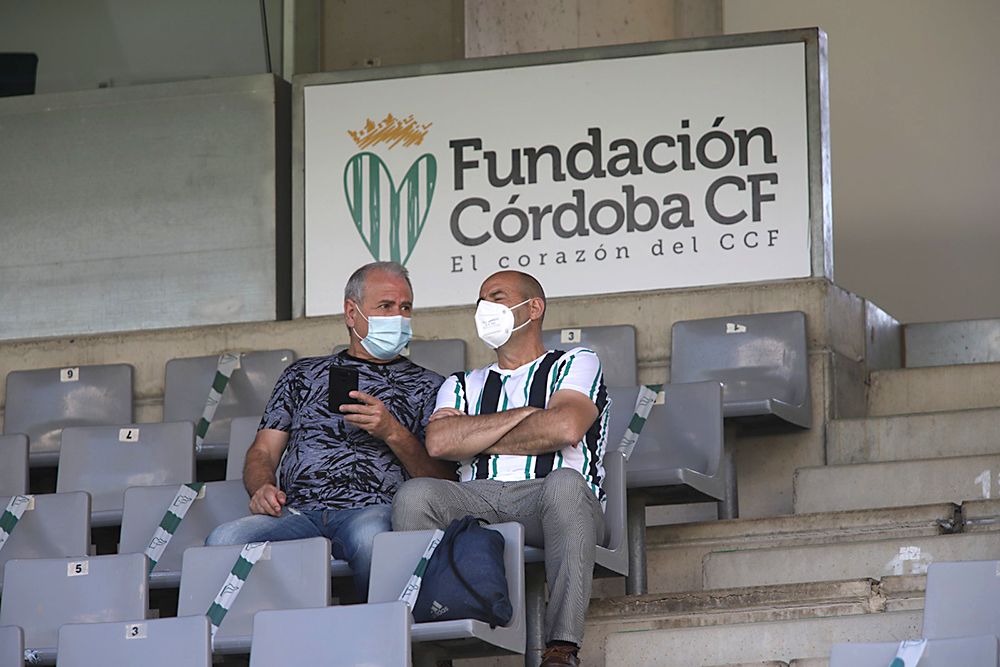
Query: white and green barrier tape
x=223 y=602
x=909 y=653
x=11 y=515
x=643 y=405
x=228 y=363
x=179 y=507
x=412 y=589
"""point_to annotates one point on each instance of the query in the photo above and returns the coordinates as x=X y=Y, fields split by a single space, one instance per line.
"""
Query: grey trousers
x=559 y=513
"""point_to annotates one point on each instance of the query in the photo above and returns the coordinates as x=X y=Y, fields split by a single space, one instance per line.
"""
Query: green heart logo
x=365 y=176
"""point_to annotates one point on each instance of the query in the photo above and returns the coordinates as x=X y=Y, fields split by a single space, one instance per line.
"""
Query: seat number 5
x=80 y=568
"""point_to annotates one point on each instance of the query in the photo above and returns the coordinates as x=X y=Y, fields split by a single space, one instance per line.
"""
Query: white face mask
x=495 y=322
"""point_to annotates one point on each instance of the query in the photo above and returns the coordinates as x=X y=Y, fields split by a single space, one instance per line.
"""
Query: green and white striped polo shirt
x=493 y=389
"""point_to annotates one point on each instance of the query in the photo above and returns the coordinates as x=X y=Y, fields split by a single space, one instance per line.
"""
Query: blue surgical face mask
x=387 y=335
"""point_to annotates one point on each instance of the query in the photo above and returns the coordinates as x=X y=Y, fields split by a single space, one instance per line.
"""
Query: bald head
x=512 y=287
x=525 y=285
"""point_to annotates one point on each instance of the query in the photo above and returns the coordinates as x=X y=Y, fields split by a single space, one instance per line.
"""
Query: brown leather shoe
x=560 y=656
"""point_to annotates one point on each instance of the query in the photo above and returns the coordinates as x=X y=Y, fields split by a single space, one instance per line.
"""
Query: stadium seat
x=57 y=525
x=677 y=458
x=444 y=357
x=106 y=460
x=41 y=403
x=242 y=432
x=42 y=594
x=614 y=344
x=187 y=385
x=961 y=599
x=13 y=464
x=761 y=361
x=11 y=646
x=441 y=356
x=394 y=558
x=145 y=507
x=343 y=635
x=168 y=642
x=290 y=575
x=980 y=651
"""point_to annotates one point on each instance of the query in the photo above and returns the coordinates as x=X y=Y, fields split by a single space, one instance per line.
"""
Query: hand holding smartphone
x=342 y=382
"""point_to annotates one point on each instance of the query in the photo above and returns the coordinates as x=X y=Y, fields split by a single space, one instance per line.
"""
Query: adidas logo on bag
x=438 y=609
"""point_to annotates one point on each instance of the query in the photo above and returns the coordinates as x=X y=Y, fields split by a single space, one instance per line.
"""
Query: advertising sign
x=596 y=176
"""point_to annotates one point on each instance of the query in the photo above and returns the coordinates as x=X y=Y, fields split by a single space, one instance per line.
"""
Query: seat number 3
x=135 y=631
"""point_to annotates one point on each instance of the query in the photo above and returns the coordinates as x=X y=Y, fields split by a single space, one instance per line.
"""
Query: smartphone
x=342 y=382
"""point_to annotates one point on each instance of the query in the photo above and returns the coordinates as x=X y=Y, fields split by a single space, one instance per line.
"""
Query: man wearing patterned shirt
x=339 y=472
x=529 y=432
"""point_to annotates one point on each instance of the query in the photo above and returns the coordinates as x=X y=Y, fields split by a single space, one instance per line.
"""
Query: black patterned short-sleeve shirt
x=328 y=463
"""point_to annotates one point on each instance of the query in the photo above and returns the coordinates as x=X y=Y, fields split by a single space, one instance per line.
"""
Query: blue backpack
x=465 y=578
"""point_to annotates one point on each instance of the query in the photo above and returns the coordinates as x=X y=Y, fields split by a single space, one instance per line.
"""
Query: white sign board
x=597 y=176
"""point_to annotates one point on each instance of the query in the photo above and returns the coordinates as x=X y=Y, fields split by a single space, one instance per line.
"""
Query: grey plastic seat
x=145 y=507
x=444 y=357
x=961 y=599
x=11 y=646
x=57 y=526
x=342 y=635
x=41 y=403
x=980 y=651
x=242 y=432
x=13 y=464
x=290 y=575
x=677 y=458
x=394 y=557
x=761 y=360
x=167 y=642
x=106 y=460
x=188 y=381
x=441 y=356
x=614 y=344
x=42 y=594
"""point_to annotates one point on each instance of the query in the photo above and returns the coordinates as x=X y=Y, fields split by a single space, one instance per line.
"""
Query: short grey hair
x=355 y=288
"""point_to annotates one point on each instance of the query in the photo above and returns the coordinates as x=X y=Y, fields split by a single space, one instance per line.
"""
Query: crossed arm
x=455 y=436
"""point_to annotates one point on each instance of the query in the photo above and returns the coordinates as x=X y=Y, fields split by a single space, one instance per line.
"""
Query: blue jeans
x=351 y=533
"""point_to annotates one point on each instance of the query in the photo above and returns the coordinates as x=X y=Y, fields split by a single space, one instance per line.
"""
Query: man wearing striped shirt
x=529 y=433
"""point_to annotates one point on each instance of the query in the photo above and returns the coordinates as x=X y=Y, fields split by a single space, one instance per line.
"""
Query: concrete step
x=696 y=647
x=831 y=562
x=837 y=488
x=739 y=607
x=950 y=343
x=921 y=436
x=980 y=516
x=934 y=389
x=620 y=628
x=674 y=553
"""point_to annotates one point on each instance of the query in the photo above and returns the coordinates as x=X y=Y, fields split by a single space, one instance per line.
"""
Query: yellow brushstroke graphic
x=392 y=131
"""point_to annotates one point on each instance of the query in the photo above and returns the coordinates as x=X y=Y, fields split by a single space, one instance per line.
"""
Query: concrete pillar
x=697 y=18
x=500 y=27
x=300 y=37
x=381 y=33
